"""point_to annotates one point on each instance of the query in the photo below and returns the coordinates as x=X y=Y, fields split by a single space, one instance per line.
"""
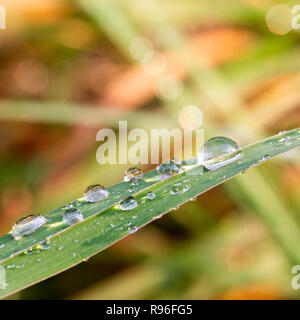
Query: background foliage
x=67 y=69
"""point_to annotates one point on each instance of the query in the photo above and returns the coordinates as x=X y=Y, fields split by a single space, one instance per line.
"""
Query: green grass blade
x=104 y=223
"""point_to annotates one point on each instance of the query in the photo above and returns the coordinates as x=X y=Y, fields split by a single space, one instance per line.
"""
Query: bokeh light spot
x=190 y=117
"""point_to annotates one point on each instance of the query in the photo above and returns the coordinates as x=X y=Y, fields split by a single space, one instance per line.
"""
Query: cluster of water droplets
x=214 y=154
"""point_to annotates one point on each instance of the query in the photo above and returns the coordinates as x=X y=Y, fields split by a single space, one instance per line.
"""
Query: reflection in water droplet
x=72 y=216
x=217 y=147
x=44 y=245
x=95 y=193
x=133 y=173
x=133 y=229
x=128 y=204
x=151 y=195
x=27 y=225
x=169 y=169
x=175 y=190
x=286 y=140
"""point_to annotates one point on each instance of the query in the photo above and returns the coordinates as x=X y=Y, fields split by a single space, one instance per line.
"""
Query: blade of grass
x=104 y=223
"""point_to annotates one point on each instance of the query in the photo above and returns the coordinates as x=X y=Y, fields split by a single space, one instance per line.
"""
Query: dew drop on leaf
x=151 y=195
x=169 y=169
x=128 y=204
x=95 y=193
x=72 y=216
x=217 y=147
x=27 y=225
x=133 y=173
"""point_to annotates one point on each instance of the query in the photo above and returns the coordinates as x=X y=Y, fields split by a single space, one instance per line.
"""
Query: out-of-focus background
x=69 y=68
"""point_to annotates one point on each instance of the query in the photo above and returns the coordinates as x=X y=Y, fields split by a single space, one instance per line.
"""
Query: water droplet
x=72 y=216
x=31 y=251
x=11 y=266
x=44 y=245
x=286 y=140
x=169 y=169
x=95 y=193
x=133 y=229
x=27 y=225
x=266 y=157
x=175 y=190
x=151 y=195
x=1 y=245
x=20 y=266
x=217 y=147
x=133 y=173
x=60 y=248
x=282 y=132
x=128 y=204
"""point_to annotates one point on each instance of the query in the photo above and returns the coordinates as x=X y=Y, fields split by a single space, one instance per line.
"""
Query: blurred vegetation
x=69 y=68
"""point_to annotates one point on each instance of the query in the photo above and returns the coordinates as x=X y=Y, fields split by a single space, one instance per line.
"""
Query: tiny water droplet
x=1 y=245
x=72 y=216
x=133 y=229
x=44 y=245
x=266 y=157
x=133 y=173
x=11 y=266
x=282 y=132
x=27 y=225
x=128 y=204
x=95 y=193
x=151 y=195
x=134 y=182
x=60 y=248
x=169 y=169
x=174 y=190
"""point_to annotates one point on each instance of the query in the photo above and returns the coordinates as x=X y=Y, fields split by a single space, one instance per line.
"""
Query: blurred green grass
x=245 y=80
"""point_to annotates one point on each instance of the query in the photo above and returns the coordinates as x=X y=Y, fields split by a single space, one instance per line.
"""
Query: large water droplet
x=169 y=169
x=133 y=173
x=27 y=225
x=95 y=193
x=217 y=147
x=72 y=216
x=128 y=204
